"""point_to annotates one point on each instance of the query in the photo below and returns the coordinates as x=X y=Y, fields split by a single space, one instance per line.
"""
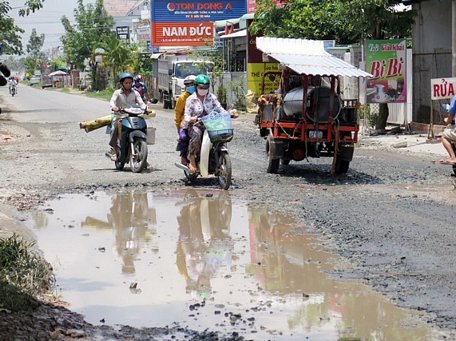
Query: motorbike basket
x=218 y=126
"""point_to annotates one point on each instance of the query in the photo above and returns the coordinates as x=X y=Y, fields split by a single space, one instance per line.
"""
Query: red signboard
x=178 y=33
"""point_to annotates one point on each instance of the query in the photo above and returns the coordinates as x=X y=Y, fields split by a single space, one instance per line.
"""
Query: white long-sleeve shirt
x=121 y=100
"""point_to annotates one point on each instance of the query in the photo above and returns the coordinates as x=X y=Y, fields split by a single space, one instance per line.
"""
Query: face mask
x=190 y=89
x=203 y=92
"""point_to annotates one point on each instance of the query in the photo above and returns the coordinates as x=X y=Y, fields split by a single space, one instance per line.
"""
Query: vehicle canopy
x=307 y=57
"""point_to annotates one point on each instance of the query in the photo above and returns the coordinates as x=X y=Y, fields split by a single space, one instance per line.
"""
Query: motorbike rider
x=12 y=82
x=182 y=145
x=199 y=104
x=124 y=97
x=140 y=86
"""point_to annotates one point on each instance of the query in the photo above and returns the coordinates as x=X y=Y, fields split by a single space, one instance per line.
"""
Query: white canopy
x=307 y=57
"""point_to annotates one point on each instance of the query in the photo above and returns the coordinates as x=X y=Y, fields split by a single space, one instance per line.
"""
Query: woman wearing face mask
x=199 y=104
x=182 y=145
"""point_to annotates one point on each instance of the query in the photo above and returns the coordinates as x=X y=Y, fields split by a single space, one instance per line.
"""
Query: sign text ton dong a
x=442 y=88
x=190 y=22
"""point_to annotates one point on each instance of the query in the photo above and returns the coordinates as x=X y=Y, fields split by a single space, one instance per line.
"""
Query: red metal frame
x=303 y=127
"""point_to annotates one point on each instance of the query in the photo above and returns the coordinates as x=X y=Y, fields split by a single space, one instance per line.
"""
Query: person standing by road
x=449 y=134
x=182 y=145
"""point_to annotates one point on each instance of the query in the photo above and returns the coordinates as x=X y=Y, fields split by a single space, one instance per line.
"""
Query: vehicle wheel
x=273 y=164
x=13 y=92
x=341 y=166
x=224 y=171
x=119 y=164
x=138 y=162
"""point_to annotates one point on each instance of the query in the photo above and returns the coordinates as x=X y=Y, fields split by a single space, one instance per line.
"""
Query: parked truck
x=170 y=69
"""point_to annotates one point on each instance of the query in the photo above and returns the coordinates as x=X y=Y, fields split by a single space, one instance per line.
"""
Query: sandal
x=447 y=162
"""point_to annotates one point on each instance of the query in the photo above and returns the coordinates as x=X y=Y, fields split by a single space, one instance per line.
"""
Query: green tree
x=119 y=57
x=93 y=25
x=9 y=32
x=36 y=59
x=345 y=21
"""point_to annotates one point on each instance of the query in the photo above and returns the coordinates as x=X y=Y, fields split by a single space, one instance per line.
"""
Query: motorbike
x=214 y=158
x=133 y=140
x=13 y=89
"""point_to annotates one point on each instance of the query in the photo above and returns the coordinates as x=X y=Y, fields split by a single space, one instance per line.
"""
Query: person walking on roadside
x=449 y=134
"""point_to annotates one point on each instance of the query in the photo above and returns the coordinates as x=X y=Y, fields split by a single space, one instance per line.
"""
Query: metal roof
x=307 y=57
x=237 y=34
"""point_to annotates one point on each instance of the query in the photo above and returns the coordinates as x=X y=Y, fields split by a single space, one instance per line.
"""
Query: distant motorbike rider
x=124 y=97
x=182 y=145
x=12 y=82
x=140 y=86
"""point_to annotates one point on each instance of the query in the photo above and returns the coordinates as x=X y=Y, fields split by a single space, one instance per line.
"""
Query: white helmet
x=189 y=79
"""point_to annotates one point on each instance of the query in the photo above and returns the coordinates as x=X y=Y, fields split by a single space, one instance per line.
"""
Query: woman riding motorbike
x=199 y=104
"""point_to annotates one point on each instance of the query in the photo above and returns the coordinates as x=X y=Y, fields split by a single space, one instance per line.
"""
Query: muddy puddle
x=206 y=261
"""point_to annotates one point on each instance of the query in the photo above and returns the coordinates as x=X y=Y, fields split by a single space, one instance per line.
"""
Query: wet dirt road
x=390 y=217
x=197 y=257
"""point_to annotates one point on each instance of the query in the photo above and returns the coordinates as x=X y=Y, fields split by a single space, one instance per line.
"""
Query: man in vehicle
x=124 y=97
x=182 y=145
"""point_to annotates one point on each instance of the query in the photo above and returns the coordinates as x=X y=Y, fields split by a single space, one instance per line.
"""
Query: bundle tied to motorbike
x=104 y=121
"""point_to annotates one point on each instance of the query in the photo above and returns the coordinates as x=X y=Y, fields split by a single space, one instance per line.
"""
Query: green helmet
x=203 y=81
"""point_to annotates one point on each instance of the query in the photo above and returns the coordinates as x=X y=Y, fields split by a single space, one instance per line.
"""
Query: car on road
x=35 y=79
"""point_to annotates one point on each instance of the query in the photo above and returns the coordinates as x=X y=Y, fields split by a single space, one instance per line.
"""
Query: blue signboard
x=198 y=11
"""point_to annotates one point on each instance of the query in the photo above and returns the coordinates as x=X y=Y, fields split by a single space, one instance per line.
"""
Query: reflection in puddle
x=125 y=259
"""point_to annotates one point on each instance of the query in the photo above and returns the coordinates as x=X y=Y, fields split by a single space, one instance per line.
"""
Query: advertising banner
x=443 y=88
x=123 y=32
x=385 y=60
x=143 y=33
x=256 y=68
x=184 y=11
x=183 y=34
x=190 y=23
x=255 y=72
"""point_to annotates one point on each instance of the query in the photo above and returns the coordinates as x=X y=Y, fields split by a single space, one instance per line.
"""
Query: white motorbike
x=214 y=158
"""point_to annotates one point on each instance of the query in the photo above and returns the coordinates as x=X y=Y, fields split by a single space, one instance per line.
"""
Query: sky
x=46 y=20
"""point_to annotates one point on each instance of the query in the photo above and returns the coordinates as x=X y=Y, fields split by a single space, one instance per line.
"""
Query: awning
x=307 y=57
x=240 y=33
x=155 y=55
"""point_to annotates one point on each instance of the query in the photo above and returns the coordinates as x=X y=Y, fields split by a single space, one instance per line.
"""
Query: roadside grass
x=23 y=274
x=104 y=94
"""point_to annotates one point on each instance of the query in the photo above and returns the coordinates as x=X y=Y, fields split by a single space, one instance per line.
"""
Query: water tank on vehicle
x=292 y=103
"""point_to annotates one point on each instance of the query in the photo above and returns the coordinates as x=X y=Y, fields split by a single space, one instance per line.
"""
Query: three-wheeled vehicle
x=307 y=115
